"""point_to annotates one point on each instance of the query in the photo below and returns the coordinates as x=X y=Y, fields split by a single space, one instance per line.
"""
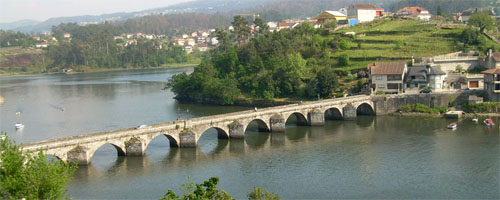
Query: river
x=371 y=157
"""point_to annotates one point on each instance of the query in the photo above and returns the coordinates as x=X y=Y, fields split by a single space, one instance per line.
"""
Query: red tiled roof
x=386 y=68
x=491 y=71
x=364 y=6
x=415 y=10
x=496 y=56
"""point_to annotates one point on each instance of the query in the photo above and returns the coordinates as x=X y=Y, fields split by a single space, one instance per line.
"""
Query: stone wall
x=391 y=103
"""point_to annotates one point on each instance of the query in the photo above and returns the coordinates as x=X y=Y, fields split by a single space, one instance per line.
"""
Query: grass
x=398 y=40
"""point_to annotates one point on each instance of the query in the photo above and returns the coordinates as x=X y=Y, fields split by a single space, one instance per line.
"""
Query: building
x=190 y=42
x=415 y=11
x=330 y=15
x=66 y=35
x=272 y=26
x=362 y=12
x=492 y=83
x=202 y=47
x=388 y=76
x=464 y=16
x=43 y=44
x=379 y=12
x=493 y=60
x=214 y=41
x=425 y=76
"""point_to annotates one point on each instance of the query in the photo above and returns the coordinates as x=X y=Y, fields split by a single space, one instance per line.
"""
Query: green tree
x=343 y=60
x=262 y=26
x=206 y=190
x=439 y=11
x=29 y=175
x=482 y=20
x=260 y=194
x=324 y=84
x=241 y=29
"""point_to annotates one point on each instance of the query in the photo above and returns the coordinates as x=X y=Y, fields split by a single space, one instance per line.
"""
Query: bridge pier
x=236 y=130
x=79 y=155
x=316 y=118
x=188 y=140
x=277 y=124
x=134 y=147
x=349 y=112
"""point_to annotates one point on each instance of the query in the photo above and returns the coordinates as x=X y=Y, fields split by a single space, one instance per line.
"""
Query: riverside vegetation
x=309 y=63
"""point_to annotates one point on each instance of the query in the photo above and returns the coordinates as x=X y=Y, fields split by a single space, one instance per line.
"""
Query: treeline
x=94 y=46
x=446 y=6
x=171 y=25
x=276 y=64
x=12 y=39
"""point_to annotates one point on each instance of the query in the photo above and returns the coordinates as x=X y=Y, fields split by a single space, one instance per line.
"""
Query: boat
x=452 y=125
x=489 y=122
x=142 y=126
x=19 y=126
x=475 y=120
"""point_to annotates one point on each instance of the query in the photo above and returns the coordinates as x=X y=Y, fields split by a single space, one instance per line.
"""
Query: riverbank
x=437 y=115
x=94 y=70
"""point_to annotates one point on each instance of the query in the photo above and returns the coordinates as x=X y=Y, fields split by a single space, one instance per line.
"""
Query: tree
x=482 y=20
x=29 y=175
x=260 y=194
x=324 y=84
x=241 y=29
x=344 y=60
x=262 y=26
x=439 y=11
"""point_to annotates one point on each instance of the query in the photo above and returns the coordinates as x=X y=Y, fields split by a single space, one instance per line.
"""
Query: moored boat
x=453 y=125
x=489 y=122
x=475 y=120
x=19 y=126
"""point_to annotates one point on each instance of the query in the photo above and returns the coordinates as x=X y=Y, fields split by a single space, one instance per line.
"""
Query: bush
x=487 y=107
x=421 y=108
x=380 y=93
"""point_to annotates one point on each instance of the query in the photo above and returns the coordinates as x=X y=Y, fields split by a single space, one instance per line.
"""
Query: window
x=382 y=86
x=394 y=78
x=497 y=86
x=438 y=77
x=474 y=84
x=392 y=86
x=378 y=77
x=438 y=86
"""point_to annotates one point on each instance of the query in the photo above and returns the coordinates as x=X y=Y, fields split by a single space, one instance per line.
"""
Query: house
x=425 y=76
x=129 y=35
x=362 y=12
x=415 y=11
x=330 y=15
x=492 y=83
x=188 y=49
x=388 y=76
x=129 y=42
x=149 y=36
x=284 y=26
x=464 y=16
x=379 y=12
x=493 y=59
x=66 y=35
x=194 y=34
x=205 y=34
x=184 y=36
x=202 y=47
x=272 y=26
x=190 y=42
x=179 y=42
x=43 y=44
x=214 y=41
x=36 y=38
x=343 y=11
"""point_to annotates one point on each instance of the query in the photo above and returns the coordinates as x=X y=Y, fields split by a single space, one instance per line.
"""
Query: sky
x=40 y=10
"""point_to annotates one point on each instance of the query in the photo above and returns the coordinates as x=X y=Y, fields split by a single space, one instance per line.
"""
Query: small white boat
x=142 y=126
x=453 y=125
x=475 y=120
x=19 y=126
x=489 y=122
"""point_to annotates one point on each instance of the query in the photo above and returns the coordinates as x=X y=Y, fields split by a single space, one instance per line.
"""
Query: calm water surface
x=372 y=157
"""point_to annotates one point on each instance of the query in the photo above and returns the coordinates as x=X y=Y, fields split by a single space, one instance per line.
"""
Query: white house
x=388 y=76
x=272 y=26
x=362 y=12
x=214 y=41
x=43 y=44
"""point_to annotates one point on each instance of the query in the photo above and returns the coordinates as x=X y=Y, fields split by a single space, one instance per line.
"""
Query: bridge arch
x=120 y=150
x=262 y=125
x=171 y=140
x=301 y=119
x=221 y=133
x=333 y=113
x=365 y=108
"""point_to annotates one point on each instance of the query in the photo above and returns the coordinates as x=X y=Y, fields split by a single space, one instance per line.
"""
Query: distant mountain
x=199 y=6
x=20 y=23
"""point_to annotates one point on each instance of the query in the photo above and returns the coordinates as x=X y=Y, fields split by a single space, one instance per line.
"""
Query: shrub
x=406 y=108
x=482 y=107
x=380 y=93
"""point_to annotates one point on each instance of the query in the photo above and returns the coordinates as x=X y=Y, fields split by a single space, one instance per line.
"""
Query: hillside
x=400 y=40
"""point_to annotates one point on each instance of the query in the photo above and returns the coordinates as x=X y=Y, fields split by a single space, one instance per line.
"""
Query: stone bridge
x=186 y=133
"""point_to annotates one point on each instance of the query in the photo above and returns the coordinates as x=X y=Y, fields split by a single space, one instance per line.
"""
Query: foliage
x=29 y=175
x=260 y=194
x=344 y=60
x=208 y=190
x=12 y=39
x=421 y=108
x=324 y=84
x=482 y=20
x=380 y=92
x=486 y=107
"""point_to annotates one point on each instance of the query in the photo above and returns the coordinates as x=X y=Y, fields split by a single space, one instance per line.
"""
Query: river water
x=371 y=157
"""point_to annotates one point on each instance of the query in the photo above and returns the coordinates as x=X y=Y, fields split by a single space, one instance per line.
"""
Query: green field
x=395 y=39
